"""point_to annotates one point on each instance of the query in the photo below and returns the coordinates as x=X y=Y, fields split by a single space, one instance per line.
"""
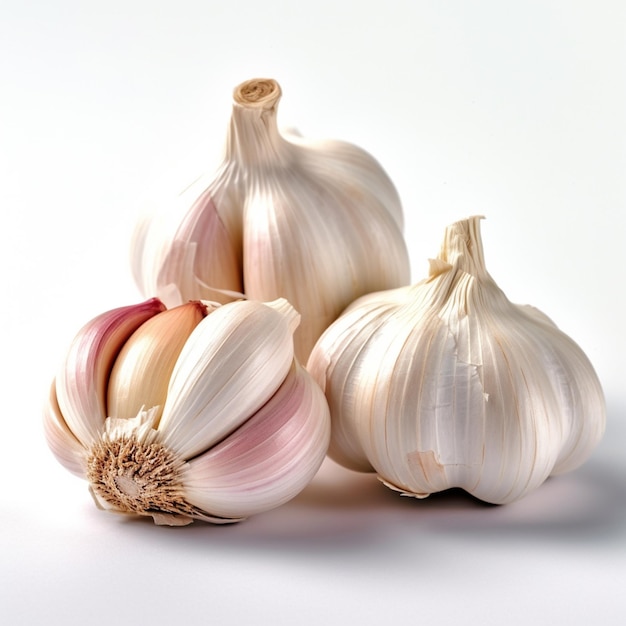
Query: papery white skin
x=218 y=384
x=270 y=458
x=233 y=385
x=448 y=384
x=316 y=222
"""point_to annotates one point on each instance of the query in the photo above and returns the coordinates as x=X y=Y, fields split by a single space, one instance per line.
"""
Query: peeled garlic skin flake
x=199 y=412
x=448 y=384
x=319 y=223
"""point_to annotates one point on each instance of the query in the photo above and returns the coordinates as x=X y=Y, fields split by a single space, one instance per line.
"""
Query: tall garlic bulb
x=196 y=412
x=448 y=384
x=316 y=222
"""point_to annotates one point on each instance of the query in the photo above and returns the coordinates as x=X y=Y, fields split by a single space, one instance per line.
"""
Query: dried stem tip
x=261 y=93
x=137 y=477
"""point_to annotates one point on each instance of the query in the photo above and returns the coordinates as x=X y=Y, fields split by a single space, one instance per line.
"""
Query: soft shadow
x=356 y=513
x=344 y=511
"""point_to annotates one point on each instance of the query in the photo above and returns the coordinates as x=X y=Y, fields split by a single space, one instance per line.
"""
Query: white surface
x=511 y=110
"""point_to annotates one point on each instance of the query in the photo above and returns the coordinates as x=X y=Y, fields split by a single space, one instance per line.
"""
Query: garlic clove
x=142 y=370
x=68 y=451
x=223 y=374
x=339 y=351
x=358 y=170
x=278 y=450
x=82 y=381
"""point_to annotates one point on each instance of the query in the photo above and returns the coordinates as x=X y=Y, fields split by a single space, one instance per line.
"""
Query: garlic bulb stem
x=463 y=247
x=253 y=137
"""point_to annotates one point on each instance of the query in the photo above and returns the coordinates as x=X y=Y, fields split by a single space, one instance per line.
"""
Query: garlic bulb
x=448 y=384
x=318 y=223
x=196 y=412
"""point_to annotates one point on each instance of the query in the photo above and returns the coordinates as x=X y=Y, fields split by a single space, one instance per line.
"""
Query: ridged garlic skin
x=316 y=222
x=196 y=412
x=448 y=384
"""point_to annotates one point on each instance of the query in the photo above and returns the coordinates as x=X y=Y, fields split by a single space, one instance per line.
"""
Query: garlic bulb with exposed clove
x=448 y=384
x=316 y=222
x=196 y=412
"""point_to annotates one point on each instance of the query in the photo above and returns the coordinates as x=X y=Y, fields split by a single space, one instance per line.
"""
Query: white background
x=513 y=110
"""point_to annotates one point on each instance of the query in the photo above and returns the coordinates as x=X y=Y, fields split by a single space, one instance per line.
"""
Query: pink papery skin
x=272 y=453
x=202 y=255
x=81 y=387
